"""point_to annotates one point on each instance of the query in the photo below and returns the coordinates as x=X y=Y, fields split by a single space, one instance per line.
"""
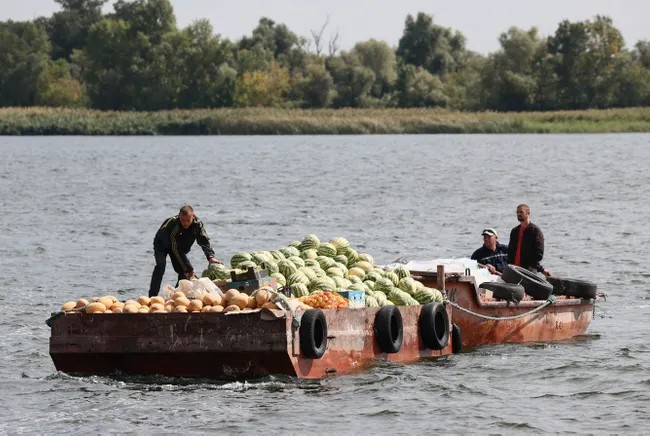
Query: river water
x=79 y=216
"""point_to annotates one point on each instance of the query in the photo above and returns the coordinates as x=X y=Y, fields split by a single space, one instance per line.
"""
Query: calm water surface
x=79 y=215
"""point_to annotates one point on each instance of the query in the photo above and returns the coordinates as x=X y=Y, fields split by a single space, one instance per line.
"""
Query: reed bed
x=54 y=121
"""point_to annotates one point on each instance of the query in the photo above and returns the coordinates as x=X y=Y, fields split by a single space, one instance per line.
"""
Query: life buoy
x=456 y=339
x=313 y=333
x=535 y=284
x=573 y=288
x=434 y=326
x=388 y=329
x=505 y=291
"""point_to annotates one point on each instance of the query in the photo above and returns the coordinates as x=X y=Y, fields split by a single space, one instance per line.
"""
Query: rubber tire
x=313 y=333
x=434 y=326
x=505 y=291
x=389 y=330
x=456 y=339
x=535 y=285
x=573 y=287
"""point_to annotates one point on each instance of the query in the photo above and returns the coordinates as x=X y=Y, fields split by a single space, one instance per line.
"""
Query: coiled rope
x=549 y=301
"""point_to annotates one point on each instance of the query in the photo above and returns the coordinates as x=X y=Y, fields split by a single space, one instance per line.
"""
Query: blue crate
x=357 y=298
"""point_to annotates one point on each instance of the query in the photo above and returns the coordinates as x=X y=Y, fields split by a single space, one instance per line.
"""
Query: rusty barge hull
x=564 y=319
x=241 y=345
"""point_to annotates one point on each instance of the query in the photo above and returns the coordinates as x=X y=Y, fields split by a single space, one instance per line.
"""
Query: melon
x=195 y=306
x=217 y=308
x=82 y=302
x=182 y=301
x=144 y=300
x=95 y=307
x=239 y=300
x=232 y=308
x=69 y=305
x=131 y=308
x=157 y=299
x=212 y=299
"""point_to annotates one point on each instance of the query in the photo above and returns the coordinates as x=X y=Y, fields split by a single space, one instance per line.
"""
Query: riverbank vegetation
x=264 y=121
x=137 y=61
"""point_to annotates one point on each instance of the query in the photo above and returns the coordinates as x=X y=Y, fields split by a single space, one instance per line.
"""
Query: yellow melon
x=206 y=308
x=69 y=305
x=169 y=307
x=182 y=301
x=82 y=302
x=252 y=303
x=157 y=299
x=229 y=295
x=217 y=308
x=182 y=309
x=156 y=306
x=117 y=309
x=131 y=308
x=195 y=306
x=232 y=308
x=95 y=307
x=262 y=296
x=212 y=299
x=269 y=305
x=239 y=300
x=178 y=294
x=144 y=300
x=143 y=309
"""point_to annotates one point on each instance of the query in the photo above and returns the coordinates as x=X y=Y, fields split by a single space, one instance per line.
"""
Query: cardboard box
x=357 y=298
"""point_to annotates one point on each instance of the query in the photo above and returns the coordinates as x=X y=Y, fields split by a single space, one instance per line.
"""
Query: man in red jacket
x=526 y=245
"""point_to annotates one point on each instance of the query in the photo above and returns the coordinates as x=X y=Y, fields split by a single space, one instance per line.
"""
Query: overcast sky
x=480 y=21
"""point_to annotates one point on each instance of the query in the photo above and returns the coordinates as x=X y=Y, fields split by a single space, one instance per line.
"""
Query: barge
x=302 y=344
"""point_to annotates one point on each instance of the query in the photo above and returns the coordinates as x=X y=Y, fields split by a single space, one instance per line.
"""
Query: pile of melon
x=231 y=301
x=311 y=266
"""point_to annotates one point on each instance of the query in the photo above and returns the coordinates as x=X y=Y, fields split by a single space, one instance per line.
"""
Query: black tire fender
x=573 y=287
x=505 y=291
x=456 y=339
x=535 y=284
x=434 y=326
x=389 y=330
x=313 y=333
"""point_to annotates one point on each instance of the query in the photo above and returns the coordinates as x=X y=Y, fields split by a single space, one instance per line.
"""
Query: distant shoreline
x=266 y=121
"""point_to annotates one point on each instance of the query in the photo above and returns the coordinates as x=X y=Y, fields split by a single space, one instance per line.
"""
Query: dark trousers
x=159 y=271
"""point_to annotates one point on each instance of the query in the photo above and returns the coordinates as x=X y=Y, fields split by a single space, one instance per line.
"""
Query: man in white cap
x=492 y=254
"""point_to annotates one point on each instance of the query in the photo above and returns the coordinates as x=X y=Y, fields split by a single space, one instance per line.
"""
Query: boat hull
x=241 y=345
x=564 y=319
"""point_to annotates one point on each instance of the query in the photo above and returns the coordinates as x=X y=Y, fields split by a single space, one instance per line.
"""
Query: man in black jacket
x=491 y=254
x=175 y=238
x=526 y=245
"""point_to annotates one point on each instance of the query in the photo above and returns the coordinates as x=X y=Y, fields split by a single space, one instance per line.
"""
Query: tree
x=203 y=62
x=56 y=87
x=68 y=29
x=353 y=82
x=432 y=47
x=284 y=46
x=262 y=88
x=379 y=58
x=24 y=54
x=153 y=18
x=584 y=56
x=126 y=60
x=419 y=88
x=642 y=52
x=314 y=87
x=508 y=80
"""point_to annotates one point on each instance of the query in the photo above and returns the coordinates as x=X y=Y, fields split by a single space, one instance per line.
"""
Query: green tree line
x=136 y=58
